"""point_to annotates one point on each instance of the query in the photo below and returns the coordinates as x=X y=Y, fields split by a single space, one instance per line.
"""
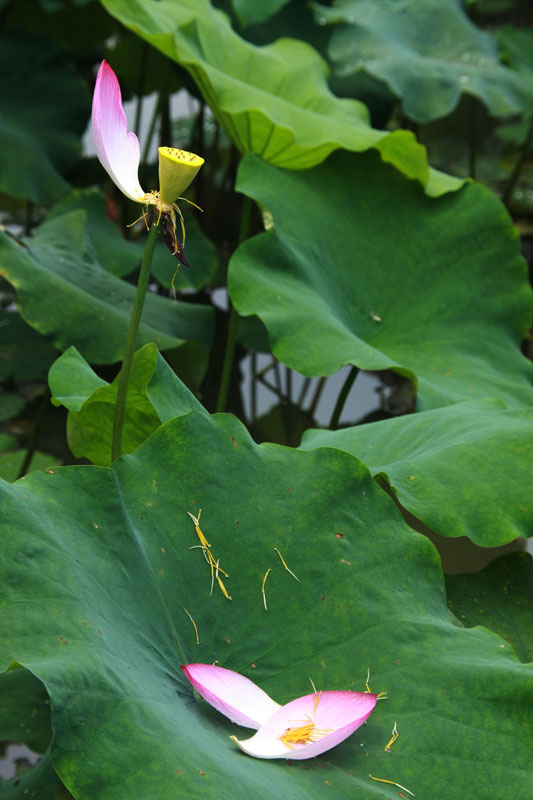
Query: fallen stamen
x=214 y=565
x=285 y=565
x=304 y=734
x=263 y=589
x=393 y=738
x=194 y=626
x=384 y=780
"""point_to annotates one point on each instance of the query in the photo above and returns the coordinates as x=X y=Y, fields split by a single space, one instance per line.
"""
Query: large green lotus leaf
x=64 y=292
x=500 y=597
x=155 y=395
x=11 y=405
x=253 y=12
x=24 y=710
x=11 y=462
x=464 y=470
x=25 y=355
x=97 y=574
x=44 y=109
x=361 y=267
x=25 y=717
x=116 y=254
x=121 y=256
x=517 y=46
x=427 y=52
x=273 y=100
x=38 y=783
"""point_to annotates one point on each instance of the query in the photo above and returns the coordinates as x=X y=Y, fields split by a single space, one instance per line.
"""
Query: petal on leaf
x=118 y=151
x=234 y=695
x=310 y=725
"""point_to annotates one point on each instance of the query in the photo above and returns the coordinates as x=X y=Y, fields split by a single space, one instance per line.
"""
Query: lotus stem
x=343 y=396
x=125 y=370
x=234 y=318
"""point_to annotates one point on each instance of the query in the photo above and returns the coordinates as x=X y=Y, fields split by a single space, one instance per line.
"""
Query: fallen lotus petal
x=310 y=725
x=303 y=728
x=234 y=695
x=118 y=151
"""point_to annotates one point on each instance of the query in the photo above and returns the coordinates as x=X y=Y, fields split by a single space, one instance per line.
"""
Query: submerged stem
x=341 y=399
x=122 y=391
x=34 y=438
x=231 y=340
x=511 y=186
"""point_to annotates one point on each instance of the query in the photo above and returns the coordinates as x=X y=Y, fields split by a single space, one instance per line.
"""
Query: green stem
x=253 y=386
x=341 y=400
x=303 y=391
x=151 y=129
x=288 y=384
x=317 y=395
x=122 y=391
x=472 y=140
x=36 y=432
x=231 y=340
x=507 y=197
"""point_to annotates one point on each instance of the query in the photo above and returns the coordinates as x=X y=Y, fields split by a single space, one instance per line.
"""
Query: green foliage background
x=367 y=203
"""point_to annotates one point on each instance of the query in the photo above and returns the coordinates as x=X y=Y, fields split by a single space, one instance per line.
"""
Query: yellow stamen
x=143 y=217
x=190 y=202
x=214 y=565
x=221 y=584
x=393 y=783
x=199 y=533
x=212 y=578
x=263 y=588
x=317 y=695
x=304 y=734
x=285 y=565
x=367 y=690
x=393 y=738
x=194 y=626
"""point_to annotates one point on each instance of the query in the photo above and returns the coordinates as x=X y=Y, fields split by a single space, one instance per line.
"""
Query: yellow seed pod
x=177 y=169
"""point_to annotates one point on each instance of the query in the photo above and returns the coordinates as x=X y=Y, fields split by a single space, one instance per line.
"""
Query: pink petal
x=341 y=713
x=232 y=694
x=117 y=150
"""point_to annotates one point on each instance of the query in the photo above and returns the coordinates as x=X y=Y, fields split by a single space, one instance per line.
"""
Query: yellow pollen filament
x=143 y=217
x=380 y=696
x=305 y=734
x=199 y=533
x=214 y=565
x=263 y=588
x=221 y=584
x=285 y=565
x=194 y=626
x=393 y=783
x=393 y=738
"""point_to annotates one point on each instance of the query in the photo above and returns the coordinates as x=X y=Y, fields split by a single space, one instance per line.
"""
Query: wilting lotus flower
x=119 y=154
x=303 y=728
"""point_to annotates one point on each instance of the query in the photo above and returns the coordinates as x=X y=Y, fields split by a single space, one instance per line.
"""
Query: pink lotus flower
x=118 y=152
x=303 y=728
